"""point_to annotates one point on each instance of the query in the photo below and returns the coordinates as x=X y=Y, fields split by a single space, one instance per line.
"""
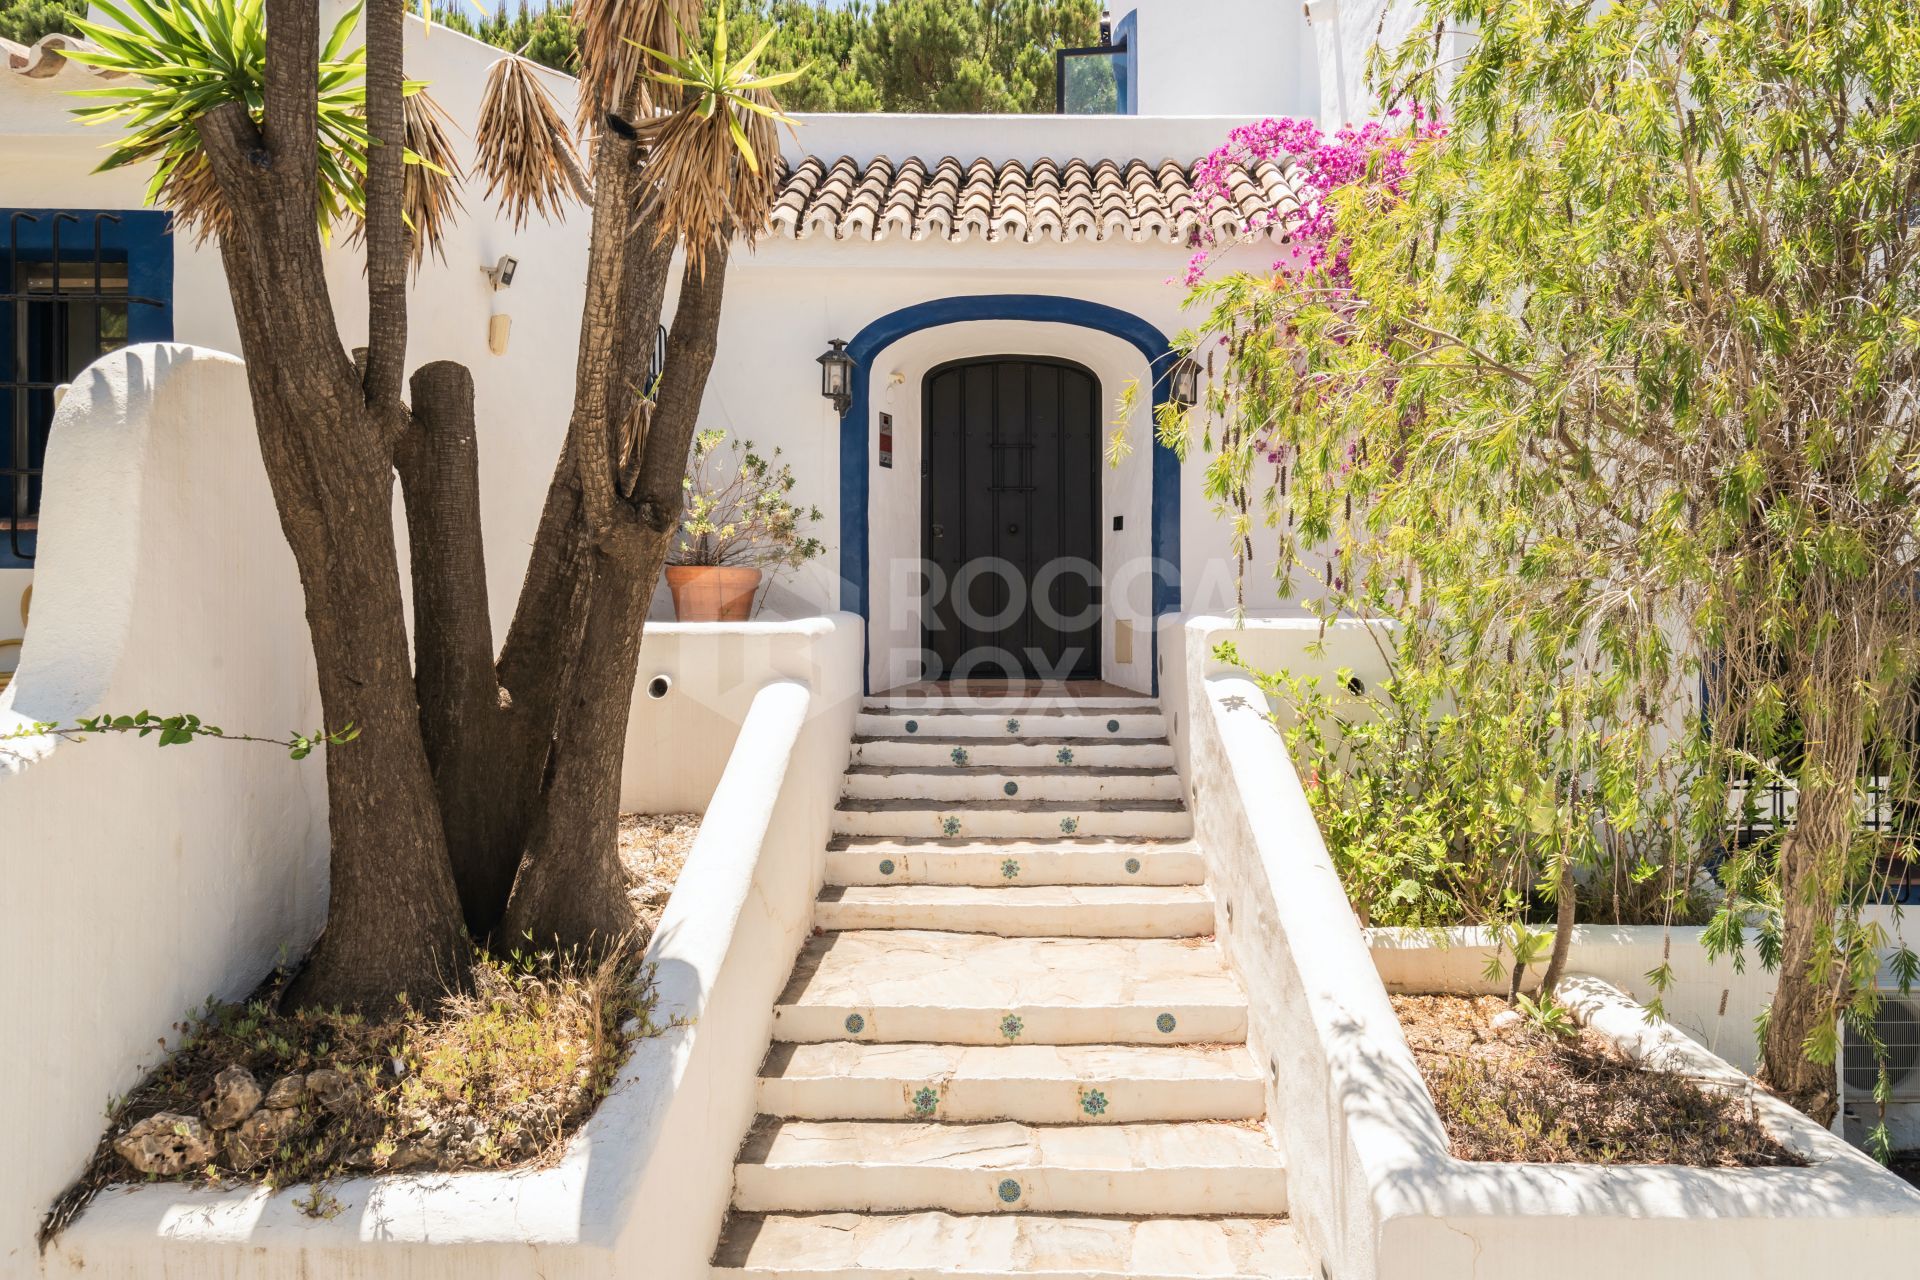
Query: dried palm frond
x=432 y=196
x=193 y=194
x=697 y=187
x=709 y=167
x=524 y=147
x=614 y=36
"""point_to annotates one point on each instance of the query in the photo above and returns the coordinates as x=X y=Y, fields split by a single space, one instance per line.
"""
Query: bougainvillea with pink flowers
x=1375 y=153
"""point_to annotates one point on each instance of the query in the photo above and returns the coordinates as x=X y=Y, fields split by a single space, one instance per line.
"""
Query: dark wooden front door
x=1010 y=509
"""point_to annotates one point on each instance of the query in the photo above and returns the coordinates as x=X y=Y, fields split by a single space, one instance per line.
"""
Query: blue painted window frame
x=856 y=436
x=142 y=237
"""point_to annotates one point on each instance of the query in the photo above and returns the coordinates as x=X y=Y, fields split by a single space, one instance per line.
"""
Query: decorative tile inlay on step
x=923 y=985
x=925 y=1102
x=792 y=1166
x=1069 y=825
x=886 y=866
x=913 y=726
x=1065 y=755
x=1093 y=1102
x=1038 y=1084
x=1010 y=868
x=1012 y=788
x=1133 y=866
x=1113 y=726
x=1013 y=726
x=855 y=1024
x=1018 y=906
x=950 y=826
x=1007 y=1246
x=959 y=755
x=1011 y=1026
x=1166 y=1024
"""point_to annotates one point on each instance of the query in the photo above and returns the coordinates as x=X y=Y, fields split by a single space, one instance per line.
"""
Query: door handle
x=939 y=531
x=1014 y=530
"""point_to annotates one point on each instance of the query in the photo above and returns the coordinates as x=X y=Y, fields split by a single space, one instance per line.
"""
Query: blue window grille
x=74 y=285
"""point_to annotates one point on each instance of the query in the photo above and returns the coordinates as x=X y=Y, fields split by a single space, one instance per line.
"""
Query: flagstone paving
x=1013 y=1049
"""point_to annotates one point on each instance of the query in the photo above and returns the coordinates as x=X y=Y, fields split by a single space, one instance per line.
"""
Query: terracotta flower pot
x=712 y=592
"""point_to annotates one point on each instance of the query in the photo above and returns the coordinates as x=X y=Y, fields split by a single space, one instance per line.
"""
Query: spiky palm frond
x=524 y=146
x=432 y=198
x=614 y=38
x=184 y=58
x=709 y=167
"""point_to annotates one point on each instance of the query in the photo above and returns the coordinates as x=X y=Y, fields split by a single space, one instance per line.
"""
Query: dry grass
x=498 y=1075
x=655 y=846
x=1518 y=1092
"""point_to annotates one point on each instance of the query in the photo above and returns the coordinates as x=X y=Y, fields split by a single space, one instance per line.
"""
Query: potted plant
x=739 y=522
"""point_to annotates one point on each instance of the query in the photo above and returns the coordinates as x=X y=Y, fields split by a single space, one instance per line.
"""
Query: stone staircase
x=1012 y=1048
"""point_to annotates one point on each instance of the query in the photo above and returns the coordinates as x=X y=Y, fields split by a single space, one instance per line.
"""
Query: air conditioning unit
x=1897 y=1027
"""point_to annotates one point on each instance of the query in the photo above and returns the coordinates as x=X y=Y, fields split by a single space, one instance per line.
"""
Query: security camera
x=501 y=272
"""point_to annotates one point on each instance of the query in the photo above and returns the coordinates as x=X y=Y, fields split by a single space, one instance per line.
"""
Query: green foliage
x=740 y=510
x=1612 y=394
x=545 y=35
x=184 y=58
x=25 y=21
x=897 y=55
x=173 y=731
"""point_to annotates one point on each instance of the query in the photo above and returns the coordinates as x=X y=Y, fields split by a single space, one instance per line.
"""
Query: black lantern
x=836 y=375
x=1183 y=382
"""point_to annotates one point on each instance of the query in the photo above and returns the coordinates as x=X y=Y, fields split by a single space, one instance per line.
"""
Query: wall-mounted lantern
x=836 y=375
x=1183 y=382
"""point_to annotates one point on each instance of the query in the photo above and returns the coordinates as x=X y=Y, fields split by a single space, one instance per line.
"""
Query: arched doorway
x=1010 y=518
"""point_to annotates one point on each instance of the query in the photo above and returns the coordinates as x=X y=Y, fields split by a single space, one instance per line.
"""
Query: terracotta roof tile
x=1047 y=201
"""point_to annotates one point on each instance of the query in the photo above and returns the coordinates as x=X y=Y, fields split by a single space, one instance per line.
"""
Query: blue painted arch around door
x=856 y=428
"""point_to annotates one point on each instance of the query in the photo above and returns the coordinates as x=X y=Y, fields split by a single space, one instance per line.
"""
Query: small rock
x=260 y=1135
x=1504 y=1021
x=335 y=1090
x=165 y=1143
x=287 y=1091
x=235 y=1094
x=409 y=1155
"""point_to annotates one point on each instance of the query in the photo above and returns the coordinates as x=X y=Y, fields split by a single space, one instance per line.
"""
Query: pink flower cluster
x=1377 y=151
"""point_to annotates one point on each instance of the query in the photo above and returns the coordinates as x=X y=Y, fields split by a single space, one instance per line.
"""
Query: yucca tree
x=481 y=794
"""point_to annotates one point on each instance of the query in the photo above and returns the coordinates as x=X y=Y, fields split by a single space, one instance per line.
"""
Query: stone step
x=1015 y=910
x=856 y=860
x=1030 y=1083
x=1034 y=819
x=1006 y=1246
x=923 y=752
x=990 y=784
x=899 y=985
x=1011 y=704
x=1205 y=1167
x=1078 y=722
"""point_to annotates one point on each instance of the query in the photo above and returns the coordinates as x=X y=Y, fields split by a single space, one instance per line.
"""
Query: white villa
x=1056 y=987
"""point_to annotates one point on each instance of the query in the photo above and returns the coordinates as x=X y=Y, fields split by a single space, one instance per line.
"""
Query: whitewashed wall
x=643 y=1188
x=141 y=881
x=1214 y=57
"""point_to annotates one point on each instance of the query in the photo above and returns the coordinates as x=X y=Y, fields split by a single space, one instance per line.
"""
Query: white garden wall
x=140 y=881
x=1374 y=1190
x=679 y=743
x=644 y=1187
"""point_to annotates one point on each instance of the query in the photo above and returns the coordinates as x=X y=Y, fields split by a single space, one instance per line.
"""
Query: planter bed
x=497 y=1076
x=1508 y=1088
